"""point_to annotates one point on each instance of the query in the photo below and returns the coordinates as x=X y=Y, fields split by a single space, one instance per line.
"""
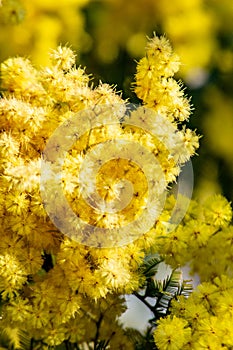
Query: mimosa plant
x=62 y=290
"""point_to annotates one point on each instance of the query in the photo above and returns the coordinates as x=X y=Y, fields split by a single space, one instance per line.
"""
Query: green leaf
x=169 y=288
x=102 y=345
x=150 y=265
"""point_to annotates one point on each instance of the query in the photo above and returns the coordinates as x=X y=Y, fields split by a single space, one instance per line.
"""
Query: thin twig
x=142 y=298
x=98 y=323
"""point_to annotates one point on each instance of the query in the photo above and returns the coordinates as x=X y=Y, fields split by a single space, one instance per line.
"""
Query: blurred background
x=109 y=36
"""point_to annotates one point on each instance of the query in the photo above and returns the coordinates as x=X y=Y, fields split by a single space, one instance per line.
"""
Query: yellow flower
x=211 y=332
x=20 y=77
x=197 y=233
x=17 y=203
x=9 y=146
x=217 y=211
x=19 y=309
x=75 y=280
x=12 y=276
x=63 y=58
x=225 y=304
x=195 y=312
x=156 y=87
x=207 y=294
x=32 y=260
x=23 y=225
x=54 y=335
x=172 y=333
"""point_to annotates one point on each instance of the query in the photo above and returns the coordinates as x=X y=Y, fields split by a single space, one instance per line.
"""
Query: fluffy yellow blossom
x=61 y=283
x=202 y=312
x=196 y=44
x=154 y=82
x=20 y=309
x=63 y=58
x=217 y=211
x=13 y=275
x=203 y=239
x=172 y=334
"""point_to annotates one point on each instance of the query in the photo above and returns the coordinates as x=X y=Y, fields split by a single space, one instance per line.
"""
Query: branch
x=142 y=298
x=98 y=324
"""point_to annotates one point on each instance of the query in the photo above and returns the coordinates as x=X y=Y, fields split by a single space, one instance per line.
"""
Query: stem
x=67 y=344
x=31 y=344
x=98 y=323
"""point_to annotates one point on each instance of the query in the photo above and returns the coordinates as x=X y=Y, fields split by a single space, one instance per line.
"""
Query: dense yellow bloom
x=196 y=44
x=172 y=333
x=38 y=261
x=202 y=312
x=203 y=239
x=45 y=24
x=217 y=211
x=13 y=275
x=57 y=288
x=154 y=82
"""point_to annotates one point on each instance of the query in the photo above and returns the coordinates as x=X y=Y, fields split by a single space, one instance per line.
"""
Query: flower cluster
x=53 y=287
x=155 y=84
x=67 y=23
x=203 y=321
x=203 y=241
x=179 y=19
